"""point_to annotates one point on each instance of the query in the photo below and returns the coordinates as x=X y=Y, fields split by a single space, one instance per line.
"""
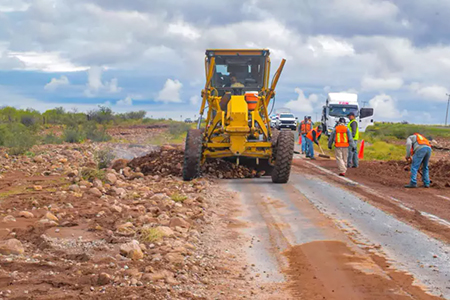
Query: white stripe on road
x=397 y=202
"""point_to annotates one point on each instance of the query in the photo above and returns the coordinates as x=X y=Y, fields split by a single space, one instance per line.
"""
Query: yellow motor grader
x=237 y=125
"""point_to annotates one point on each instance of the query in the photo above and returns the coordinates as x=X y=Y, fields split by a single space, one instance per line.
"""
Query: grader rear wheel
x=284 y=152
x=192 y=155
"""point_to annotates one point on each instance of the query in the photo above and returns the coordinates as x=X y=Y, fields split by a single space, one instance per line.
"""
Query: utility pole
x=446 y=114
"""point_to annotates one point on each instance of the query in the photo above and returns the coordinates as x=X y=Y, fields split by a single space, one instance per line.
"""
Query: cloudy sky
x=141 y=54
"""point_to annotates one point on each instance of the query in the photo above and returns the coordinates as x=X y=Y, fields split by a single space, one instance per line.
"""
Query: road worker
x=304 y=128
x=418 y=153
x=353 y=152
x=313 y=136
x=342 y=140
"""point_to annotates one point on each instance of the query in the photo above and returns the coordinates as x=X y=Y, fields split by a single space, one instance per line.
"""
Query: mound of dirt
x=166 y=161
x=169 y=161
x=396 y=173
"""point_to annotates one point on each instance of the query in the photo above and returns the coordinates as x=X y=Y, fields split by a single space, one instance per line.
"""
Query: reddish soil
x=331 y=270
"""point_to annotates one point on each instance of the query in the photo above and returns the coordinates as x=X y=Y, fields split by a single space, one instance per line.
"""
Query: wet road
x=321 y=241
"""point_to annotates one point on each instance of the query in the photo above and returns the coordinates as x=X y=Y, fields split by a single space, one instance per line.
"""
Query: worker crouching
x=313 y=136
x=418 y=152
x=342 y=140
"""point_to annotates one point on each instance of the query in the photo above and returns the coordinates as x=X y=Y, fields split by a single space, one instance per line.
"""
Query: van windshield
x=343 y=110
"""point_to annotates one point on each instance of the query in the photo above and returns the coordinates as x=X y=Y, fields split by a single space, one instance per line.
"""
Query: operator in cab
x=234 y=82
x=418 y=153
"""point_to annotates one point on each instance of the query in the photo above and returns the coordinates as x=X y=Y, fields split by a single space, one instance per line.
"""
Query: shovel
x=323 y=154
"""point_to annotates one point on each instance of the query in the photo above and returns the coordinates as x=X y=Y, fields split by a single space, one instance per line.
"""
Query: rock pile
x=93 y=232
x=169 y=161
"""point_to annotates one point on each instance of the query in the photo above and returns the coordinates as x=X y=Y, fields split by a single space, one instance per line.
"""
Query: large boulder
x=132 y=250
x=11 y=246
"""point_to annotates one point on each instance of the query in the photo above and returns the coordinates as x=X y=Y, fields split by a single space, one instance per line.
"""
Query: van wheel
x=283 y=153
x=192 y=155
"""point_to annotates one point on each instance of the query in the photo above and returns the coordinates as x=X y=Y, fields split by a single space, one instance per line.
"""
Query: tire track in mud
x=311 y=255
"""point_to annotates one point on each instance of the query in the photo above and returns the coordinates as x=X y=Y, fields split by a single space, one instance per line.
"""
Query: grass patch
x=104 y=158
x=402 y=131
x=150 y=234
x=178 y=197
x=12 y=192
x=89 y=174
x=381 y=150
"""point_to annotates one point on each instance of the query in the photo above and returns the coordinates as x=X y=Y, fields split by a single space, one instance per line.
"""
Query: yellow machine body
x=231 y=128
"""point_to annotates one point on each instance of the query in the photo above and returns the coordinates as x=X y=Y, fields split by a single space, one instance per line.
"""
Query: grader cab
x=237 y=125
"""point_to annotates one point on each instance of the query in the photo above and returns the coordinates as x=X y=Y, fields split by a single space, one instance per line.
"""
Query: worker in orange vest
x=342 y=140
x=304 y=128
x=313 y=136
x=418 y=153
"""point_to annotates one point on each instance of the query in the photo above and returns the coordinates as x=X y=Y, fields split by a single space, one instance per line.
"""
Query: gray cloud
x=368 y=45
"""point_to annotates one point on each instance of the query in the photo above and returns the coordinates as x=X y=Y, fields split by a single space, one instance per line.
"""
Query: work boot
x=312 y=158
x=426 y=186
x=342 y=174
x=410 y=186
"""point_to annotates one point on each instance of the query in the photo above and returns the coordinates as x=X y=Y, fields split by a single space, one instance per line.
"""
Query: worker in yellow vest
x=342 y=140
x=354 y=131
x=418 y=152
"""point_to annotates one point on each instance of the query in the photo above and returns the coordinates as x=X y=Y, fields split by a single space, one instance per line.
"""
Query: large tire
x=192 y=155
x=284 y=152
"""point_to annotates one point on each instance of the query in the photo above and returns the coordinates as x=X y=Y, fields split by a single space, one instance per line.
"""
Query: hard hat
x=351 y=114
x=342 y=120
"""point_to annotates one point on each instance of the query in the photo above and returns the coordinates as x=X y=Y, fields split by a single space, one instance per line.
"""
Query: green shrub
x=178 y=128
x=18 y=138
x=104 y=158
x=93 y=133
x=51 y=139
x=73 y=134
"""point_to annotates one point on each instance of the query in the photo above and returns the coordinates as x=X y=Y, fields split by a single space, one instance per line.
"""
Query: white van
x=339 y=105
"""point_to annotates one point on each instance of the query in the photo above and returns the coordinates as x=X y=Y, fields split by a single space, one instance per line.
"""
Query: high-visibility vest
x=302 y=126
x=308 y=126
x=341 y=138
x=421 y=140
x=305 y=127
x=356 y=137
x=310 y=134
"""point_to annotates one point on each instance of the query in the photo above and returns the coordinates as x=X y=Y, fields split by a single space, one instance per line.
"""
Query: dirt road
x=317 y=240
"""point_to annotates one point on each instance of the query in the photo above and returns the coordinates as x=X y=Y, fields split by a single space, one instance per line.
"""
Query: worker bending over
x=313 y=136
x=305 y=127
x=419 y=148
x=342 y=140
x=353 y=152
